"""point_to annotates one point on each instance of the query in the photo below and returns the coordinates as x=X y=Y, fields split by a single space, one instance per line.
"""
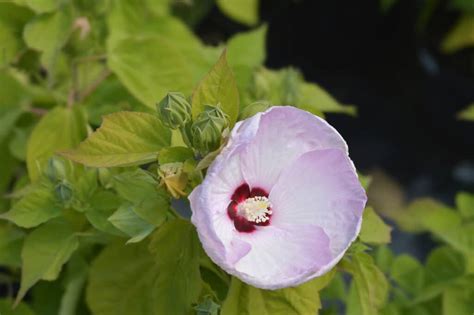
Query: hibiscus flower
x=282 y=202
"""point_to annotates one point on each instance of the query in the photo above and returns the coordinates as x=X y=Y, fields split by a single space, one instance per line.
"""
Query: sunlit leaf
x=467 y=113
x=370 y=283
x=124 y=139
x=243 y=11
x=374 y=230
x=465 y=204
x=460 y=36
x=218 y=88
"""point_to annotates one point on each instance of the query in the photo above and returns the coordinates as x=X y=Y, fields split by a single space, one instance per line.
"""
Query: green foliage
x=45 y=251
x=467 y=113
x=245 y=299
x=45 y=139
x=374 y=230
x=243 y=11
x=218 y=88
x=124 y=139
x=460 y=36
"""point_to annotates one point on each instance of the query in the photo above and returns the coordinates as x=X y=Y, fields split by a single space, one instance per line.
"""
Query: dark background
x=406 y=91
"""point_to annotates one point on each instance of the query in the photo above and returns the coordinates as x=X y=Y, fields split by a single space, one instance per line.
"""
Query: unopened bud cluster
x=204 y=134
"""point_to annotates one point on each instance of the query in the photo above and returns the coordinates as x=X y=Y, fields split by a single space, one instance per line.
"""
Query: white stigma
x=255 y=209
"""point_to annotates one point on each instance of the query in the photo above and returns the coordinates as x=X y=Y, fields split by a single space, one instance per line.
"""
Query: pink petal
x=282 y=256
x=321 y=188
x=284 y=133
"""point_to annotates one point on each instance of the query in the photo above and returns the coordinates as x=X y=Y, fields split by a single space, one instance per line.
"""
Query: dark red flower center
x=249 y=207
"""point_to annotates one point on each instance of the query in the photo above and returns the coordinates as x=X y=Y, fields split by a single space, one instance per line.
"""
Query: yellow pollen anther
x=255 y=209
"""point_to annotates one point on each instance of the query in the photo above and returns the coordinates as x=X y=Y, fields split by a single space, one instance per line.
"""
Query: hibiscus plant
x=145 y=172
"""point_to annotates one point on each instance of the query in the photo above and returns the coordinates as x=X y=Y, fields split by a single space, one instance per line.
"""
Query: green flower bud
x=255 y=107
x=63 y=192
x=207 y=130
x=55 y=169
x=175 y=110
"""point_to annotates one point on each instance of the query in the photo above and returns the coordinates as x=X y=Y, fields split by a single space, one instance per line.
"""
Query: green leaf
x=150 y=81
x=102 y=205
x=218 y=87
x=426 y=214
x=303 y=299
x=11 y=242
x=384 y=258
x=458 y=301
x=314 y=99
x=208 y=307
x=374 y=230
x=243 y=11
x=408 y=273
x=41 y=6
x=150 y=203
x=124 y=139
x=46 y=297
x=121 y=281
x=246 y=52
x=75 y=280
x=6 y=308
x=127 y=221
x=37 y=206
x=460 y=36
x=467 y=113
x=178 y=284
x=465 y=204
x=62 y=128
x=175 y=154
x=370 y=283
x=459 y=237
x=45 y=250
x=443 y=265
x=48 y=33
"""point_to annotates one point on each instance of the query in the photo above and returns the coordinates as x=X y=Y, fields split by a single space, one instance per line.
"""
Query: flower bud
x=55 y=169
x=175 y=110
x=63 y=192
x=207 y=130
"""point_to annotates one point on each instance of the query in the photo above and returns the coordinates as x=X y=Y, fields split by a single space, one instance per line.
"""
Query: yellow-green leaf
x=62 y=128
x=124 y=139
x=303 y=299
x=374 y=230
x=243 y=11
x=218 y=87
x=460 y=36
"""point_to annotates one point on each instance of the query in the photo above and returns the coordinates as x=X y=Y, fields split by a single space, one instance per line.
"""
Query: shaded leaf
x=303 y=299
x=180 y=277
x=37 y=206
x=45 y=251
x=127 y=221
x=62 y=128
